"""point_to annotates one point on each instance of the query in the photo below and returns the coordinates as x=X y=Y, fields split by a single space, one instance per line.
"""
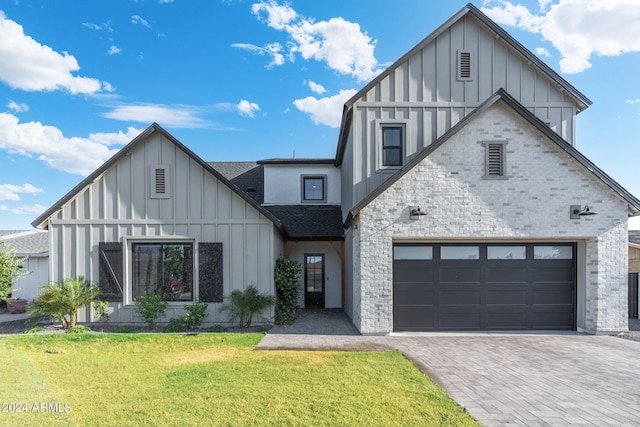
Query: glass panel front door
x=314 y=280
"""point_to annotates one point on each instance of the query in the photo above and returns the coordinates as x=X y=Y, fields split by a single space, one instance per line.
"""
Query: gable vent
x=160 y=181
x=464 y=65
x=495 y=163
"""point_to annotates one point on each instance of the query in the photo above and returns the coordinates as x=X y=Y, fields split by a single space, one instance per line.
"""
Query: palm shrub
x=63 y=300
x=286 y=275
x=243 y=305
x=9 y=270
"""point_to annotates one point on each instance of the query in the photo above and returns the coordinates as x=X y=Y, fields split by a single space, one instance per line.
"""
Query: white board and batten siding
x=425 y=94
x=119 y=205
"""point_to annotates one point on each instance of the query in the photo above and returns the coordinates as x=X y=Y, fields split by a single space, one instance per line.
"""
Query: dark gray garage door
x=446 y=287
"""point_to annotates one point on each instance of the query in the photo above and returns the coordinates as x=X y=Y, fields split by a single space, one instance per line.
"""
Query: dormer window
x=314 y=188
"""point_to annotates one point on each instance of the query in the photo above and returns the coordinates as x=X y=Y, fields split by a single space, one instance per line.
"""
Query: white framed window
x=495 y=159
x=314 y=188
x=391 y=143
x=160 y=181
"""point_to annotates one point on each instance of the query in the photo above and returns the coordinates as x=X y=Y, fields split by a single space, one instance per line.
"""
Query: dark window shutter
x=210 y=271
x=111 y=271
x=495 y=160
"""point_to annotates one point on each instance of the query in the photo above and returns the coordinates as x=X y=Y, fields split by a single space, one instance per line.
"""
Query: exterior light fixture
x=576 y=211
x=415 y=212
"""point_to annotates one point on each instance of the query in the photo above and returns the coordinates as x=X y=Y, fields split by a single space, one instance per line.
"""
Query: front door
x=314 y=280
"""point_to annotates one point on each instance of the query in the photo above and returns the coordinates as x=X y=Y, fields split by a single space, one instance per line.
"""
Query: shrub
x=63 y=300
x=195 y=315
x=126 y=329
x=101 y=310
x=150 y=307
x=286 y=275
x=243 y=305
x=9 y=270
x=34 y=330
x=176 y=324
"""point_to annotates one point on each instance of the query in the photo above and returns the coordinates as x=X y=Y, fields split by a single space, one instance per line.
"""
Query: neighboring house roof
x=41 y=220
x=582 y=102
x=310 y=221
x=26 y=242
x=501 y=95
x=247 y=176
x=634 y=237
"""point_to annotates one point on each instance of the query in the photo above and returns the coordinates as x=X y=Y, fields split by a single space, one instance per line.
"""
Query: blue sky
x=248 y=80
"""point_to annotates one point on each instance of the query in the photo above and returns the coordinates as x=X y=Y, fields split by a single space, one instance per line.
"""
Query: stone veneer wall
x=532 y=204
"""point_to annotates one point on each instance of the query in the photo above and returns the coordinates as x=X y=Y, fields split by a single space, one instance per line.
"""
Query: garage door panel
x=460 y=296
x=458 y=273
x=496 y=294
x=412 y=271
x=414 y=318
x=410 y=293
x=507 y=274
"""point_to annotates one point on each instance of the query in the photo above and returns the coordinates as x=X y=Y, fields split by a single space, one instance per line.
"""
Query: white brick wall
x=532 y=204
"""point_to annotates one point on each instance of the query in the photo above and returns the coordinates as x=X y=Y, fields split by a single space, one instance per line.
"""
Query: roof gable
x=124 y=151
x=531 y=60
x=501 y=95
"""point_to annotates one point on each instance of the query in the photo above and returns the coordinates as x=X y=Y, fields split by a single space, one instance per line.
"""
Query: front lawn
x=209 y=379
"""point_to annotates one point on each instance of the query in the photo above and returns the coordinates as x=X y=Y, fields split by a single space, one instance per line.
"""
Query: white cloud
x=113 y=50
x=276 y=16
x=273 y=50
x=18 y=108
x=47 y=143
x=325 y=111
x=247 y=108
x=338 y=43
x=138 y=20
x=317 y=88
x=541 y=51
x=28 y=209
x=97 y=27
x=12 y=192
x=577 y=28
x=633 y=101
x=176 y=116
x=28 y=65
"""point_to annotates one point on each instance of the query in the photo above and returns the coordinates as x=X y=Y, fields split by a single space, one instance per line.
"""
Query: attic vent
x=494 y=160
x=464 y=65
x=159 y=182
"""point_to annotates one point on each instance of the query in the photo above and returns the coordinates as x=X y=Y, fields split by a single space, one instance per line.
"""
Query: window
x=552 y=252
x=459 y=252
x=495 y=163
x=159 y=182
x=392 y=146
x=464 y=65
x=412 y=252
x=506 y=252
x=164 y=268
x=313 y=188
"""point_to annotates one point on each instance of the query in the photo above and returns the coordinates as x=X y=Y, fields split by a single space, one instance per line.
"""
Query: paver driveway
x=534 y=379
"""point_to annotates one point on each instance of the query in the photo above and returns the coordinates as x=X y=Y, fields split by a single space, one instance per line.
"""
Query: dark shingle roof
x=26 y=242
x=310 y=221
x=247 y=176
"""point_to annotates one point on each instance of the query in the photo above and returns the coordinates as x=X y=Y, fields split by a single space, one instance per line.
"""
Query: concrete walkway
x=502 y=379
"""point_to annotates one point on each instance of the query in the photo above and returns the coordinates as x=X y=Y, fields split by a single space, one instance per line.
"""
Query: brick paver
x=505 y=379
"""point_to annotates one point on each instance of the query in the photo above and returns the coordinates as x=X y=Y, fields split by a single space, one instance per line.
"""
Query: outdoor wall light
x=576 y=211
x=415 y=212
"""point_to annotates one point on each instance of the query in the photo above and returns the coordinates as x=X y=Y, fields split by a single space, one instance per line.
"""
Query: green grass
x=211 y=379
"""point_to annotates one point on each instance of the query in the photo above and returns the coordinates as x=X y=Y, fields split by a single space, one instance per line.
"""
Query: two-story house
x=456 y=201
